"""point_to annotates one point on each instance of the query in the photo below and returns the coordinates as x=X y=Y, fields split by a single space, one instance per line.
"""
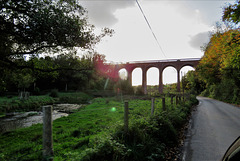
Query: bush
x=124 y=86
x=32 y=103
x=138 y=90
x=74 y=98
x=54 y=93
x=226 y=91
x=227 y=87
x=36 y=91
x=205 y=93
x=236 y=96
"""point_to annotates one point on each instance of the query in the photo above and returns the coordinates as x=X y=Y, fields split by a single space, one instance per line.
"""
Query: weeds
x=96 y=133
x=14 y=104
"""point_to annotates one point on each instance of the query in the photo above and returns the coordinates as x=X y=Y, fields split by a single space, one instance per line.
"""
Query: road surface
x=212 y=129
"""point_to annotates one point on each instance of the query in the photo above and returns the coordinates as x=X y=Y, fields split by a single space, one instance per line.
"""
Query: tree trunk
x=66 y=87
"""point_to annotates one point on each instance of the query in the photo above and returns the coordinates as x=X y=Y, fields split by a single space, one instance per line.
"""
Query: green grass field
x=95 y=132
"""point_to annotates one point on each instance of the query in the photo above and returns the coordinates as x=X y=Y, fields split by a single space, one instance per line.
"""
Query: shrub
x=74 y=98
x=227 y=87
x=36 y=91
x=54 y=93
x=205 y=93
x=226 y=91
x=138 y=90
x=236 y=96
x=124 y=86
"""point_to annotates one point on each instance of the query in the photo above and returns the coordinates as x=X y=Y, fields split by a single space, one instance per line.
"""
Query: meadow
x=96 y=132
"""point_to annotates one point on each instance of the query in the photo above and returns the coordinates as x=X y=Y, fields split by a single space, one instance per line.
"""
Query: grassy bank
x=14 y=104
x=95 y=132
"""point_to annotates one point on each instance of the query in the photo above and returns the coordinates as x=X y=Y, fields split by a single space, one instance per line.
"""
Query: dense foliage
x=65 y=72
x=219 y=69
x=33 y=30
x=35 y=103
x=42 y=26
x=95 y=132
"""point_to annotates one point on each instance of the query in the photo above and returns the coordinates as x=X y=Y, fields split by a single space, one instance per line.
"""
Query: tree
x=219 y=68
x=80 y=73
x=221 y=57
x=32 y=27
x=23 y=80
x=102 y=77
x=46 y=74
x=192 y=83
x=232 y=13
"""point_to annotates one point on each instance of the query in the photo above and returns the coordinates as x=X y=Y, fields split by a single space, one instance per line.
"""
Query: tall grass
x=32 y=103
x=96 y=132
x=14 y=104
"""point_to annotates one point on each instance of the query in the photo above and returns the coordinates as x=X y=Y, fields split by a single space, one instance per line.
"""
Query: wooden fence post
x=126 y=117
x=163 y=104
x=47 y=133
x=152 y=107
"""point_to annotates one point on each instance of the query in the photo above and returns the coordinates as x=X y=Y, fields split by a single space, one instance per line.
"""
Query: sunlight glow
x=113 y=109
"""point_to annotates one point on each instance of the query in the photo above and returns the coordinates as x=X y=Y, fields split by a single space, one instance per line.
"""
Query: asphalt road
x=212 y=129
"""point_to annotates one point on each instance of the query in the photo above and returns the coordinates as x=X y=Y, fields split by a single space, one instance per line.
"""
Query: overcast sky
x=181 y=27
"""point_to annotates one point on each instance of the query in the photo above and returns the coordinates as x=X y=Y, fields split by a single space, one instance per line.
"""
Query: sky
x=181 y=28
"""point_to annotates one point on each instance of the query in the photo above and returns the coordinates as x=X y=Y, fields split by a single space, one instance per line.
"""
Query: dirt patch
x=67 y=108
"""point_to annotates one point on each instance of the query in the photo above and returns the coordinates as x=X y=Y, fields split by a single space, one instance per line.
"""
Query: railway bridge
x=178 y=64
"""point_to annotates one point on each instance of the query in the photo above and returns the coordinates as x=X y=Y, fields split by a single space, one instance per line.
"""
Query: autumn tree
x=220 y=65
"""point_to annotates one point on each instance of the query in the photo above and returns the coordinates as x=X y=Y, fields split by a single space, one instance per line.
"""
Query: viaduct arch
x=161 y=65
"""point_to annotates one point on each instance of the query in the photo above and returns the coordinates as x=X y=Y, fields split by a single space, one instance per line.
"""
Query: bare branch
x=35 y=50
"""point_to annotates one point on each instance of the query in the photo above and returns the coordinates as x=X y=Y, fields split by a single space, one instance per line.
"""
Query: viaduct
x=161 y=65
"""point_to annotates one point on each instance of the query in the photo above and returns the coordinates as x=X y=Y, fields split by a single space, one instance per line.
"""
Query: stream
x=16 y=120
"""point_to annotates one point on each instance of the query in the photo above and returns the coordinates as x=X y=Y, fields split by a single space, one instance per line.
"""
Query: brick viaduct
x=161 y=65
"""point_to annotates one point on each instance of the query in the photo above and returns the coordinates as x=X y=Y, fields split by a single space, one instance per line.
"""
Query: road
x=213 y=127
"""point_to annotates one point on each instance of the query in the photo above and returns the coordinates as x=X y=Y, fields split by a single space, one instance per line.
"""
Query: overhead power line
x=150 y=28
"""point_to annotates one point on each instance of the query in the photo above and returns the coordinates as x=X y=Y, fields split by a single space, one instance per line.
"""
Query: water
x=21 y=120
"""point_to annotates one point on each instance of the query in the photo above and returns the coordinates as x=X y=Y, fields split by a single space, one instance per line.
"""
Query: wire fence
x=155 y=103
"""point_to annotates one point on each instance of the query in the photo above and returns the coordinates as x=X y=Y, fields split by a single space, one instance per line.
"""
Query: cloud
x=208 y=12
x=101 y=13
x=199 y=40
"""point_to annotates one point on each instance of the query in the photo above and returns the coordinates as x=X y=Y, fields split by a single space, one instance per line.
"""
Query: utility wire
x=150 y=28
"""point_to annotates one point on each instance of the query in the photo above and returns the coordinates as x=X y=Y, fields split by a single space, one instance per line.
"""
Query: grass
x=95 y=132
x=14 y=104
x=70 y=133
x=76 y=98
x=32 y=103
